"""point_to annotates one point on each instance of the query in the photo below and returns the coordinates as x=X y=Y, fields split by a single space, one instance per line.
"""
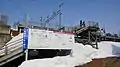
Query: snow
x=80 y=54
x=108 y=49
x=79 y=57
x=39 y=39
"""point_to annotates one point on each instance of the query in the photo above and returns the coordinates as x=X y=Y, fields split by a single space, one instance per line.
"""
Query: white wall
x=39 y=39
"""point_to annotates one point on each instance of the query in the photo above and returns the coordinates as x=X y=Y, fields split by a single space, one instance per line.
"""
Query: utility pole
x=60 y=14
x=41 y=20
x=56 y=13
x=26 y=20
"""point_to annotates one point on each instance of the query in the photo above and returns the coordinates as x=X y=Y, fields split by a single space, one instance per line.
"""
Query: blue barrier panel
x=25 y=38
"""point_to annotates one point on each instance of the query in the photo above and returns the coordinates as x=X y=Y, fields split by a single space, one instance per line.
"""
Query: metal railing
x=80 y=28
x=87 y=24
x=91 y=23
x=11 y=47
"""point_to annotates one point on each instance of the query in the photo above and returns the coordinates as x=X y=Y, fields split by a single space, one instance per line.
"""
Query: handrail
x=10 y=43
x=11 y=56
x=20 y=47
x=88 y=24
x=79 y=29
x=15 y=41
x=9 y=46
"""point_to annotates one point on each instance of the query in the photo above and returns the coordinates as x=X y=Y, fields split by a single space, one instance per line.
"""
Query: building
x=4 y=31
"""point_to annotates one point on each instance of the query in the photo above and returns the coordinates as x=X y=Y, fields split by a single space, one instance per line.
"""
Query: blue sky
x=106 y=12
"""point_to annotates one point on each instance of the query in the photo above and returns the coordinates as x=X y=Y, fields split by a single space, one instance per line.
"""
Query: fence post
x=6 y=50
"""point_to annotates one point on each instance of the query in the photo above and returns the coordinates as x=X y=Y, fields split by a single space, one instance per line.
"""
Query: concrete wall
x=4 y=38
x=5 y=29
x=4 y=34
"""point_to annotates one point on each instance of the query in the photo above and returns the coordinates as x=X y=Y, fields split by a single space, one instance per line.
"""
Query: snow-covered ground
x=80 y=54
x=108 y=49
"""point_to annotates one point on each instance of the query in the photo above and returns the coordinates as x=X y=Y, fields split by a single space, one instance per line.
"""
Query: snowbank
x=108 y=49
x=80 y=54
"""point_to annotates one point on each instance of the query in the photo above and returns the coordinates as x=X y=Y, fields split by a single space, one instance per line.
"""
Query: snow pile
x=39 y=39
x=108 y=49
x=81 y=55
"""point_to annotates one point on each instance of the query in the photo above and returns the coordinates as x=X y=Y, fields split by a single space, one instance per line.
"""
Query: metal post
x=26 y=54
x=6 y=50
x=60 y=14
x=96 y=42
x=60 y=20
x=26 y=51
x=26 y=20
x=89 y=37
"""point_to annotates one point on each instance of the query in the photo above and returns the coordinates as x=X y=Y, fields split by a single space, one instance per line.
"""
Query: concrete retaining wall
x=4 y=38
x=5 y=29
x=4 y=34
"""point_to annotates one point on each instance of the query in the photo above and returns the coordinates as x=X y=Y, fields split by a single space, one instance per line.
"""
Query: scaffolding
x=87 y=33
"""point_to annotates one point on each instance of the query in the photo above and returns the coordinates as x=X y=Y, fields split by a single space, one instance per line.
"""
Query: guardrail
x=91 y=23
x=11 y=47
x=87 y=24
x=11 y=51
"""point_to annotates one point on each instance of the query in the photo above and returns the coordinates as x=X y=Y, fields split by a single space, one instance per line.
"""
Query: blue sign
x=25 y=38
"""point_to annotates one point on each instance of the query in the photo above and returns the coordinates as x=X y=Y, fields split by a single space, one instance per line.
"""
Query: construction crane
x=55 y=14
